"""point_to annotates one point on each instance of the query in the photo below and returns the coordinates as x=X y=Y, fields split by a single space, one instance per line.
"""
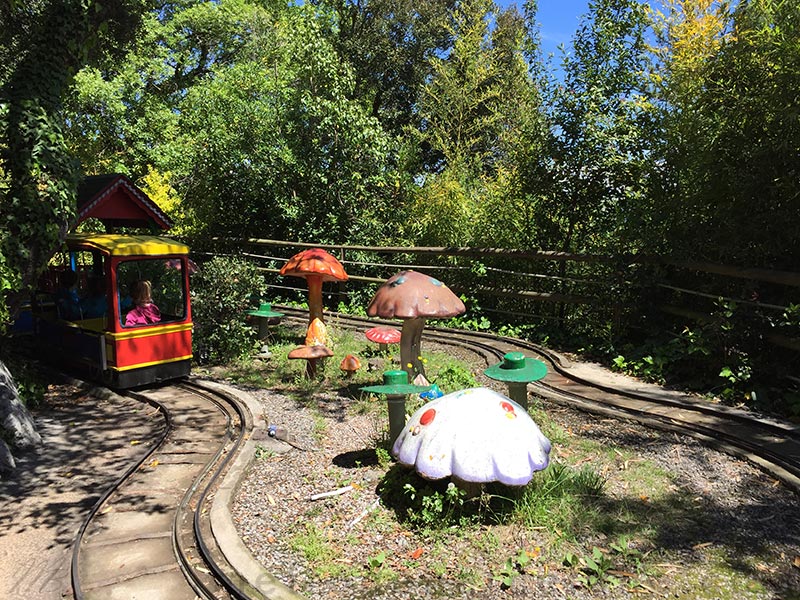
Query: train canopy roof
x=115 y=201
x=126 y=245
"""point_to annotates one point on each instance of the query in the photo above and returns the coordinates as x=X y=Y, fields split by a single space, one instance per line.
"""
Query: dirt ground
x=88 y=441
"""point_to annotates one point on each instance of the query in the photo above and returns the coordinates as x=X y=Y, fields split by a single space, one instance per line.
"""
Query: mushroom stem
x=397 y=416
x=411 y=347
x=518 y=392
x=314 y=297
x=311 y=368
x=473 y=489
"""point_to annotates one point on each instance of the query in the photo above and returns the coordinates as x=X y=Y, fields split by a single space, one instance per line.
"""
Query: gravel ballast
x=732 y=530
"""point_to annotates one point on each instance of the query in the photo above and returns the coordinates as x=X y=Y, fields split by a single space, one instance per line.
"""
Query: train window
x=151 y=291
x=67 y=286
x=84 y=263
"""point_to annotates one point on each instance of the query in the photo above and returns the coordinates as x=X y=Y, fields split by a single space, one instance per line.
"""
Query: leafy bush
x=29 y=381
x=221 y=295
x=427 y=505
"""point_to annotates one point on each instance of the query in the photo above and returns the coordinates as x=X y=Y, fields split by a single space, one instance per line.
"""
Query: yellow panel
x=147 y=331
x=126 y=245
x=150 y=364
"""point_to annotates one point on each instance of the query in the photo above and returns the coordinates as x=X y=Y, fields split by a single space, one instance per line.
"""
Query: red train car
x=87 y=313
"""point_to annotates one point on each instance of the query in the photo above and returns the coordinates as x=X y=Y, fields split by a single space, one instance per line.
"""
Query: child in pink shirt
x=144 y=311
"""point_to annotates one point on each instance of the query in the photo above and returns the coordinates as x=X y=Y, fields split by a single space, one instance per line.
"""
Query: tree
x=460 y=108
x=601 y=119
x=276 y=144
x=124 y=115
x=506 y=214
x=732 y=135
x=389 y=44
x=44 y=44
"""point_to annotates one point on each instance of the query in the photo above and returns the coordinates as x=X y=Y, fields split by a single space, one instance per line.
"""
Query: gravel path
x=719 y=529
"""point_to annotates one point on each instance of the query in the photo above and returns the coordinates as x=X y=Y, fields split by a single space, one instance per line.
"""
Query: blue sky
x=559 y=20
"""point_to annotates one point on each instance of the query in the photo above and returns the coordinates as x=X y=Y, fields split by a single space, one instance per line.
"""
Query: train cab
x=118 y=306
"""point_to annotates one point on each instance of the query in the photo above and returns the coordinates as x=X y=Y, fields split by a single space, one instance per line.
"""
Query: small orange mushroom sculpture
x=349 y=365
x=414 y=297
x=315 y=266
x=317 y=333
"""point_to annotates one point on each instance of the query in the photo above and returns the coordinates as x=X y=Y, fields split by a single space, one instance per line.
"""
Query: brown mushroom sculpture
x=414 y=297
x=315 y=266
x=311 y=354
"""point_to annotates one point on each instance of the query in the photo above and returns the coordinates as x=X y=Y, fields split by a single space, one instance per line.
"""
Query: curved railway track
x=149 y=535
x=772 y=445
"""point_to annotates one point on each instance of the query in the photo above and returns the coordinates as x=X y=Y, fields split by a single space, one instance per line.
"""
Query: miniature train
x=84 y=314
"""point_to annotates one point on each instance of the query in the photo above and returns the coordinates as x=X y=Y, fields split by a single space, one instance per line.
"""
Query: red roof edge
x=117 y=202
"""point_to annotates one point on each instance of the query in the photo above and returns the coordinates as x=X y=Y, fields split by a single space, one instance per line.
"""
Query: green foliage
x=283 y=126
x=512 y=568
x=376 y=562
x=452 y=377
x=43 y=45
x=318 y=551
x=401 y=35
x=559 y=498
x=432 y=508
x=731 y=137
x=427 y=505
x=262 y=453
x=594 y=568
x=602 y=122
x=600 y=567
x=383 y=456
x=221 y=295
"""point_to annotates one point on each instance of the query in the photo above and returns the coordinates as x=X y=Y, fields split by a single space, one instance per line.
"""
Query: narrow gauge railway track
x=149 y=535
x=772 y=445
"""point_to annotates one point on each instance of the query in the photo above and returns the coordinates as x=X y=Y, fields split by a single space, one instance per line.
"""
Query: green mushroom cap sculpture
x=414 y=297
x=475 y=435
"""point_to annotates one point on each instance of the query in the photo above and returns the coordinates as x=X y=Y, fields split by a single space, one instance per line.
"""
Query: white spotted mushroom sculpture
x=475 y=436
x=414 y=297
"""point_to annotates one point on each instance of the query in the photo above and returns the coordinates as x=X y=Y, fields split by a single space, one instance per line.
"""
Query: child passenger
x=95 y=304
x=144 y=311
x=67 y=300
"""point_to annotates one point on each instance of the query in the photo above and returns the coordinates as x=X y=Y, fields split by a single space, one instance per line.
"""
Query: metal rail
x=771 y=445
x=211 y=577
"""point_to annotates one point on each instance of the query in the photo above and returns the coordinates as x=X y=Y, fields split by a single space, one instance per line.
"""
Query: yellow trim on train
x=126 y=245
x=145 y=331
x=150 y=364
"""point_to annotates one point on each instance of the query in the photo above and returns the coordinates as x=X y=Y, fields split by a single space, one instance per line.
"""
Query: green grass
x=598 y=510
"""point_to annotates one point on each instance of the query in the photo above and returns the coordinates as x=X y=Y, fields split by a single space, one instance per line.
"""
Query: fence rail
x=505 y=281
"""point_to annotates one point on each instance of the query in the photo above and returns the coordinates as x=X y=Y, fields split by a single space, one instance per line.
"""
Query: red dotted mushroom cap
x=315 y=261
x=409 y=294
x=383 y=335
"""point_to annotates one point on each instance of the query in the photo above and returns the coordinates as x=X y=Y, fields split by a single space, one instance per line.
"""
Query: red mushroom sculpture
x=414 y=297
x=316 y=266
x=383 y=336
